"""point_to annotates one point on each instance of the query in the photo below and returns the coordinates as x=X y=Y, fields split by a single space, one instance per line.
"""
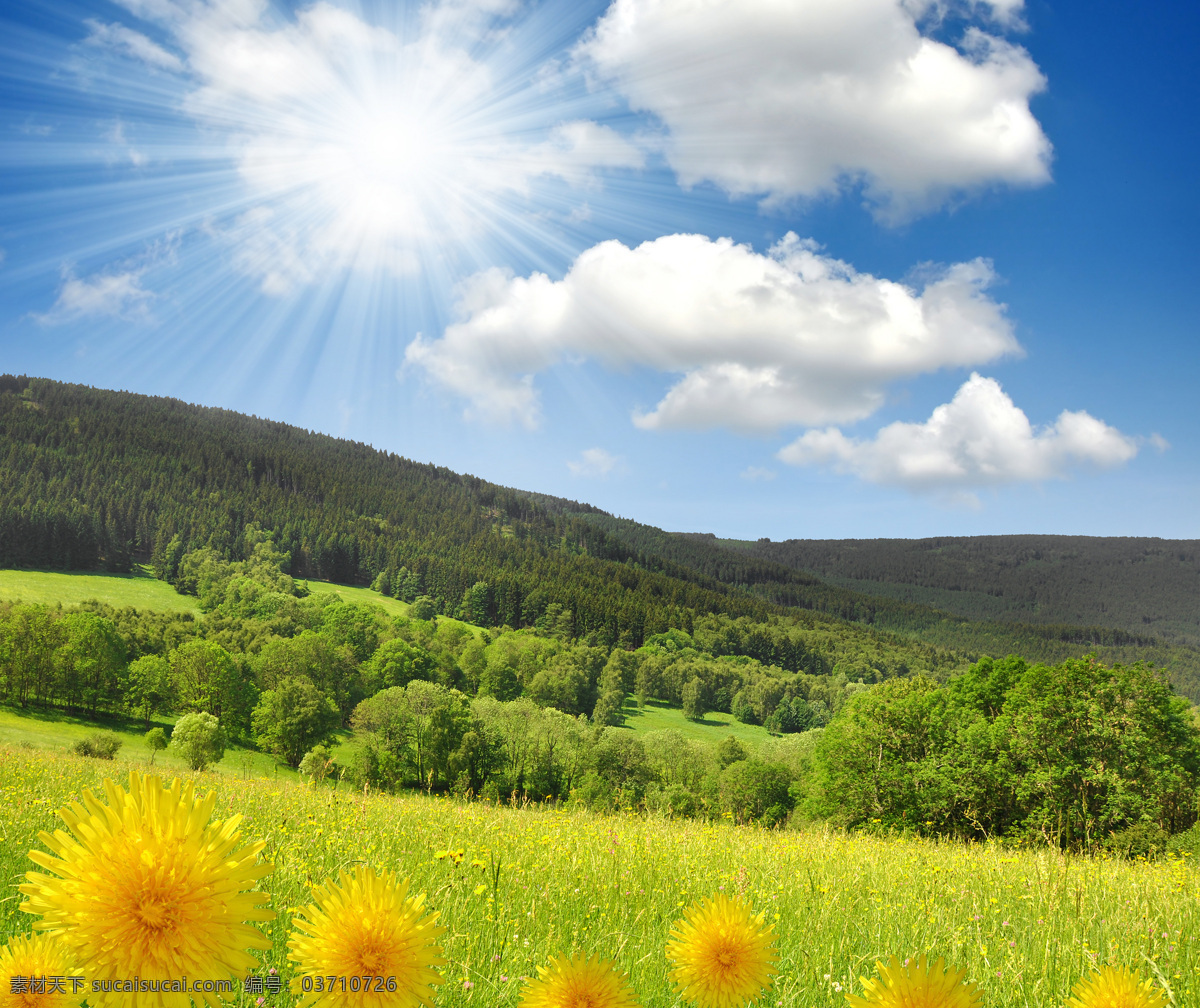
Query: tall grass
x=516 y=886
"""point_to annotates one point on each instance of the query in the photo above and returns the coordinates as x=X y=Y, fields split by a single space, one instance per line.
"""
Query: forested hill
x=100 y=479
x=756 y=568
x=92 y=478
x=1142 y=585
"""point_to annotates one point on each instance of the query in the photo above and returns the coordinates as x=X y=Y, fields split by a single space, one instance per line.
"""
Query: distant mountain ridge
x=1145 y=586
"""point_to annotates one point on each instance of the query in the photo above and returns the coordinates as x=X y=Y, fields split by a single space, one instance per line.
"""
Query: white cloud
x=114 y=294
x=761 y=341
x=783 y=100
x=131 y=43
x=574 y=151
x=757 y=473
x=123 y=148
x=594 y=462
x=980 y=438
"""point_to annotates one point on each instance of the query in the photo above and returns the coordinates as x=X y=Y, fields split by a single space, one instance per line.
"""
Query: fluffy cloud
x=980 y=438
x=576 y=149
x=795 y=99
x=115 y=294
x=761 y=341
x=594 y=462
x=131 y=43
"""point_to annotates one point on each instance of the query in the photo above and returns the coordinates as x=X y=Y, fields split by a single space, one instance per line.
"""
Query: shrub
x=199 y=739
x=318 y=763
x=99 y=745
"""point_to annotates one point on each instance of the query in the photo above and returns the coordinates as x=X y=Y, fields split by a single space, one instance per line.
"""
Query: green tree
x=396 y=662
x=730 y=750
x=1096 y=749
x=881 y=757
x=420 y=724
x=147 y=686
x=101 y=745
x=499 y=678
x=205 y=677
x=199 y=739
x=423 y=608
x=318 y=763
x=694 y=707
x=156 y=741
x=477 y=604
x=357 y=626
x=29 y=637
x=89 y=662
x=753 y=791
x=322 y=659
x=293 y=718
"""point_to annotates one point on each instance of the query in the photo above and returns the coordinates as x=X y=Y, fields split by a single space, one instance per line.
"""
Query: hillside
x=101 y=480
x=1141 y=585
x=955 y=620
x=93 y=479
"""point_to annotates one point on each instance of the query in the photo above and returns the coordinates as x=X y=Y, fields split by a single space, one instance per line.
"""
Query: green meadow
x=50 y=731
x=658 y=715
x=515 y=886
x=140 y=589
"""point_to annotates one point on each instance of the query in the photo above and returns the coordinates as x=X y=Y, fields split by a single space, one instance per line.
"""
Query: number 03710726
x=317 y=984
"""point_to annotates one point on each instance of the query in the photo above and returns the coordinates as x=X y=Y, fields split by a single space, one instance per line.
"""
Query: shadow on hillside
x=56 y=715
x=632 y=711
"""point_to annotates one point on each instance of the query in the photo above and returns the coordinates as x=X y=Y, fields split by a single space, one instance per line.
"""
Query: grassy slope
x=393 y=607
x=1025 y=924
x=52 y=731
x=657 y=715
x=141 y=590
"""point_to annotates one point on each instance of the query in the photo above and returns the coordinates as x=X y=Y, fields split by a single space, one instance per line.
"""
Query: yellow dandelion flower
x=148 y=888
x=366 y=925
x=1114 y=987
x=918 y=985
x=579 y=983
x=36 y=972
x=724 y=956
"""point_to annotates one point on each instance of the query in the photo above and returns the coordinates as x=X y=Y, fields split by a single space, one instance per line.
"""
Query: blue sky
x=818 y=269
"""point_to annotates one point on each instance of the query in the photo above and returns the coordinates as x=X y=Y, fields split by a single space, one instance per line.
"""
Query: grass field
x=362 y=596
x=1025 y=923
x=141 y=589
x=657 y=714
x=53 y=732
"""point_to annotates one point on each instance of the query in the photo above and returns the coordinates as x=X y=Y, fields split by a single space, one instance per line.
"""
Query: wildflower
x=1114 y=987
x=367 y=925
x=579 y=983
x=723 y=955
x=41 y=958
x=921 y=986
x=147 y=887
